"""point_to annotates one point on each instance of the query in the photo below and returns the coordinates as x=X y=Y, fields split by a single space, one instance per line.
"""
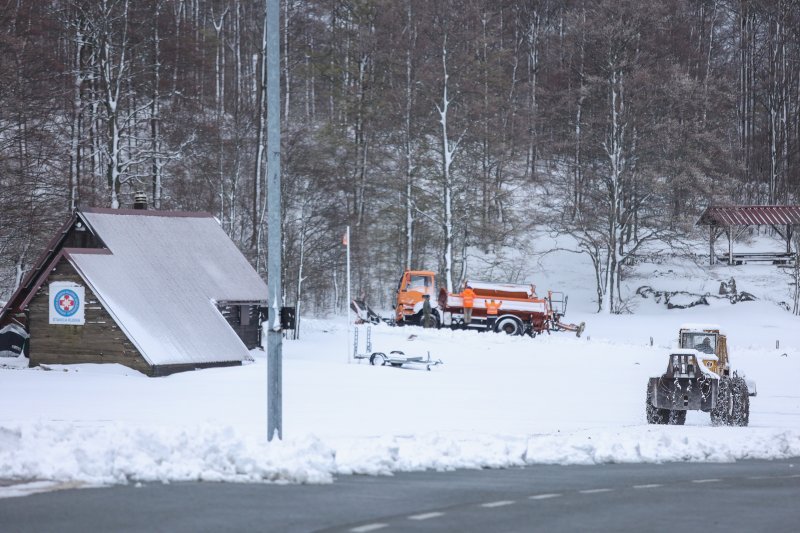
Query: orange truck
x=521 y=310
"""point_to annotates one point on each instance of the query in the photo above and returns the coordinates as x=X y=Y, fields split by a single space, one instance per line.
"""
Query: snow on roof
x=746 y=215
x=161 y=282
x=700 y=327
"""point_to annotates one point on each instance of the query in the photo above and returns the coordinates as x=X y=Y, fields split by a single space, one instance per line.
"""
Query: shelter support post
x=711 y=237
x=730 y=245
x=788 y=238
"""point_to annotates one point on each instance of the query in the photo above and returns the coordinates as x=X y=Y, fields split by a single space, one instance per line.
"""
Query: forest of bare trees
x=431 y=128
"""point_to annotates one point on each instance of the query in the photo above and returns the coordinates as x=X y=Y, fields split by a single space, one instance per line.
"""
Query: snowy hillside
x=496 y=401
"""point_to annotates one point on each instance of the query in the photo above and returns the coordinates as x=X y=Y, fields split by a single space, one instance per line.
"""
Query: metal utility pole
x=274 y=335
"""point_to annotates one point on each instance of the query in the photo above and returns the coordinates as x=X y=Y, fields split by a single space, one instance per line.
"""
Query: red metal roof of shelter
x=750 y=215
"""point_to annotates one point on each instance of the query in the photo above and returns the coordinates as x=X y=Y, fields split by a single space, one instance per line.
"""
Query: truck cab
x=413 y=285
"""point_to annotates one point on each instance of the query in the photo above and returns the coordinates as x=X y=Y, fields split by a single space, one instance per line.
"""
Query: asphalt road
x=743 y=496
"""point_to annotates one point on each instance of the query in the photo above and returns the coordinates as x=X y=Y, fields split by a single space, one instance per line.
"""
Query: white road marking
x=543 y=496
x=501 y=503
x=648 y=486
x=425 y=516
x=706 y=481
x=368 y=527
x=759 y=477
x=594 y=491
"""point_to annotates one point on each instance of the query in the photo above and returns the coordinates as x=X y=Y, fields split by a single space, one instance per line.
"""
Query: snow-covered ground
x=497 y=400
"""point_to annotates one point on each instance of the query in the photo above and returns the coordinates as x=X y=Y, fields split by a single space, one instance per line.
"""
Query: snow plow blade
x=577 y=328
x=684 y=394
x=365 y=314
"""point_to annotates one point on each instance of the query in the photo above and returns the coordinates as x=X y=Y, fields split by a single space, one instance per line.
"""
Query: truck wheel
x=433 y=321
x=721 y=413
x=654 y=414
x=509 y=325
x=740 y=412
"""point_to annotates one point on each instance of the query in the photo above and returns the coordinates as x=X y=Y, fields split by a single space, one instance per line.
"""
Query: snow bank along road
x=496 y=402
x=710 y=497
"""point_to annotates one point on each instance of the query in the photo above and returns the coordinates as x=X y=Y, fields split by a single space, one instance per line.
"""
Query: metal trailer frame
x=395 y=358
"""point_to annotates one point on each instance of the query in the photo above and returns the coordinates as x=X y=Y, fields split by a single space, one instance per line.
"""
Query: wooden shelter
x=157 y=291
x=733 y=220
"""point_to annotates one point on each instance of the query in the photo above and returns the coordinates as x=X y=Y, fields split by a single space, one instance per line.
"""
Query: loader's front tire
x=377 y=359
x=676 y=417
x=722 y=411
x=654 y=414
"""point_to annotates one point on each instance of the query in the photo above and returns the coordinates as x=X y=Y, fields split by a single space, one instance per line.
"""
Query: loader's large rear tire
x=721 y=413
x=654 y=414
x=740 y=411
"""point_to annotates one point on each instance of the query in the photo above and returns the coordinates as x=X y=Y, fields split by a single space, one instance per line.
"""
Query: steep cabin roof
x=750 y=215
x=160 y=278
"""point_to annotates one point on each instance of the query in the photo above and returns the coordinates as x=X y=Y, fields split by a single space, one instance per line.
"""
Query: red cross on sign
x=66 y=302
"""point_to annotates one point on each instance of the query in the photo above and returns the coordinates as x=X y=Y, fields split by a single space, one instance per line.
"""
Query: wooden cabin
x=157 y=291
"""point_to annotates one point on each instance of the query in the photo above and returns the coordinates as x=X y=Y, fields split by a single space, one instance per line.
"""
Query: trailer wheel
x=509 y=325
x=377 y=359
x=653 y=413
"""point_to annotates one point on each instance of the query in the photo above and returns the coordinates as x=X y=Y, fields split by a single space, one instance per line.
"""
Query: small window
x=700 y=341
x=418 y=282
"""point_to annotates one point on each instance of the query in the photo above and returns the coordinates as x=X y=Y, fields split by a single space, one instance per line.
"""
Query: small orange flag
x=344 y=239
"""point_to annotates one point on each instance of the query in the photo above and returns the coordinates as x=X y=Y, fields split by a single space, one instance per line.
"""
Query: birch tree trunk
x=155 y=113
x=81 y=27
x=219 y=83
x=533 y=69
x=113 y=72
x=577 y=182
x=613 y=146
x=448 y=150
x=257 y=215
x=407 y=137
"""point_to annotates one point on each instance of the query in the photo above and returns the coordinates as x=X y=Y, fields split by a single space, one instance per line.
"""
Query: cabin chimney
x=140 y=200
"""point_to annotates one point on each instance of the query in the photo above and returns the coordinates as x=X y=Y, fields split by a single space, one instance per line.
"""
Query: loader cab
x=707 y=341
x=413 y=285
x=701 y=341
